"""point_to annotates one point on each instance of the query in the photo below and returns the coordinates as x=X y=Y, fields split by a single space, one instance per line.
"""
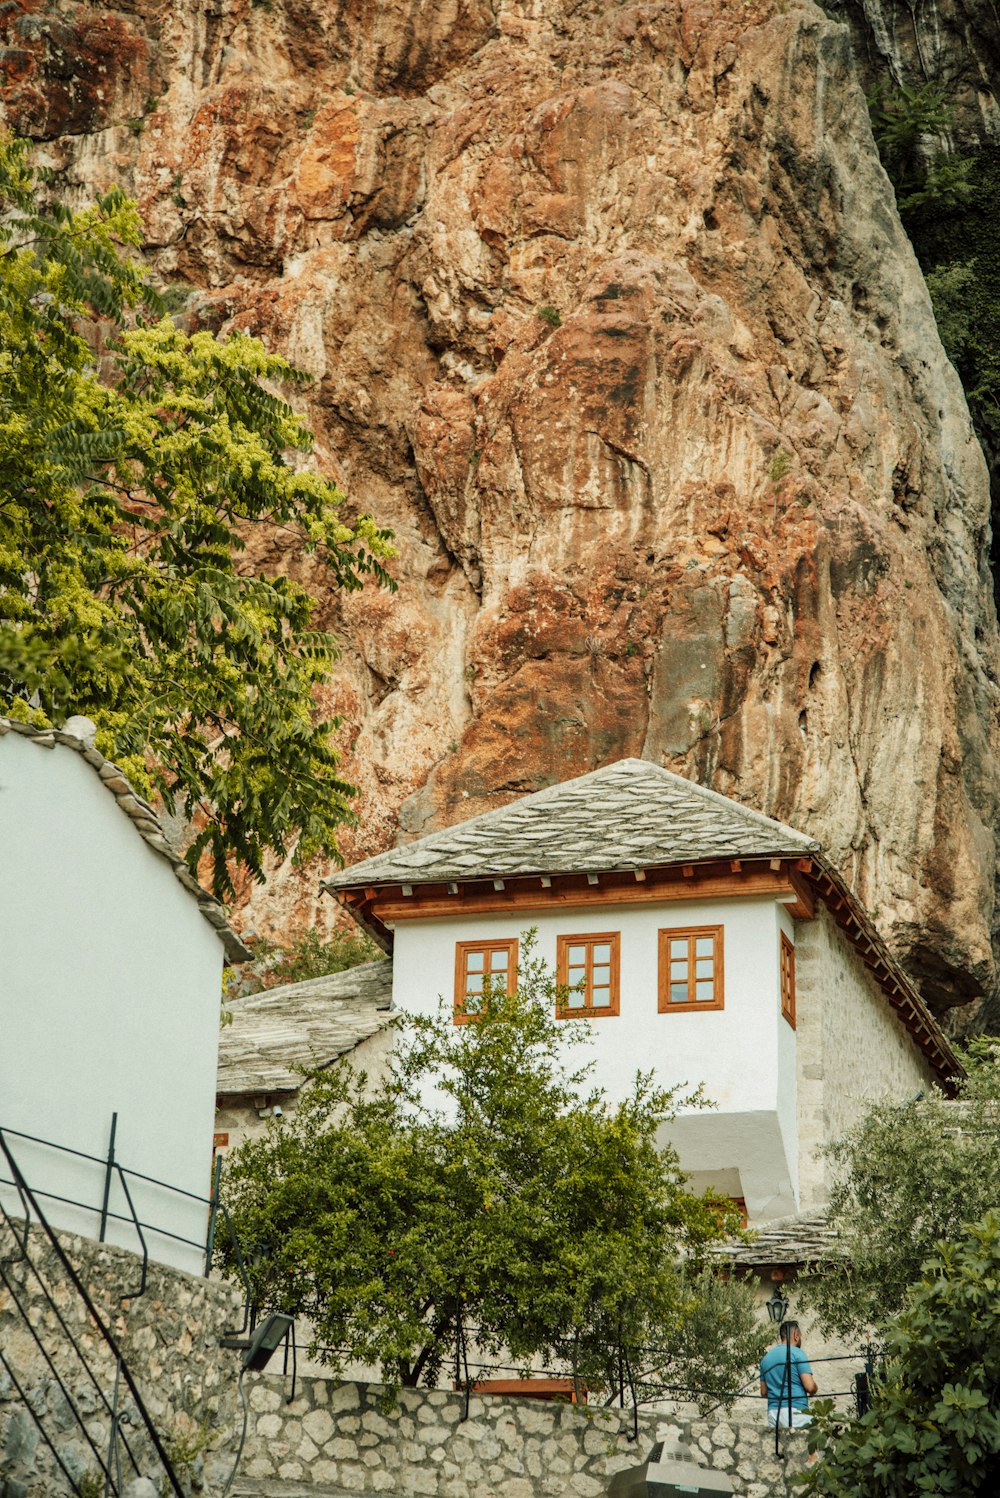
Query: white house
x=706 y=942
x=110 y=987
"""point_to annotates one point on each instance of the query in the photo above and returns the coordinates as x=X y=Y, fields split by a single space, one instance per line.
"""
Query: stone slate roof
x=277 y=1034
x=802 y=1239
x=629 y=815
x=143 y=818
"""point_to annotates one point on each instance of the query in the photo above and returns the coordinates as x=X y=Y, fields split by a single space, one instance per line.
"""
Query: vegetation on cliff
x=136 y=461
x=947 y=201
x=505 y=1209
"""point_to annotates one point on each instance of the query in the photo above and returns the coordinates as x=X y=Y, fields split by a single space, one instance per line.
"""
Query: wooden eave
x=377 y=908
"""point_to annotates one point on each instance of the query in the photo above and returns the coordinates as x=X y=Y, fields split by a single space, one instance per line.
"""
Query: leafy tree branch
x=134 y=473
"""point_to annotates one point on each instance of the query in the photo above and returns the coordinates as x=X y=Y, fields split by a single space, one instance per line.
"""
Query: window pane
x=678 y=972
x=498 y=963
x=475 y=962
x=705 y=992
x=678 y=947
x=602 y=953
x=577 y=956
x=602 y=998
x=704 y=946
x=705 y=967
x=474 y=983
x=678 y=993
x=602 y=975
x=575 y=1000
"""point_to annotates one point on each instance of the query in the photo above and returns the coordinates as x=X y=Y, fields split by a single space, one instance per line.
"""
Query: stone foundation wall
x=169 y=1338
x=333 y=1439
x=338 y=1439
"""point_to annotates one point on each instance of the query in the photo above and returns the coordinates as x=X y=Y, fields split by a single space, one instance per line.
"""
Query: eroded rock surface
x=611 y=316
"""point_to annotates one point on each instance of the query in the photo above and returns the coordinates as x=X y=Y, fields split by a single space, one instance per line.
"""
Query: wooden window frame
x=589 y=939
x=667 y=934
x=786 y=962
x=462 y=949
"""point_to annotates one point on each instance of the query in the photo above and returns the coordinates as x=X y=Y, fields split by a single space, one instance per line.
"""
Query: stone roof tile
x=806 y=1238
x=631 y=814
x=275 y=1036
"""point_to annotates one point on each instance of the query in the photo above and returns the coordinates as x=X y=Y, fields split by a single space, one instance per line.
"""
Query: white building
x=707 y=943
x=110 y=987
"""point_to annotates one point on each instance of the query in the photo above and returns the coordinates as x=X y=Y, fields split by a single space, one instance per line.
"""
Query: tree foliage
x=481 y=1188
x=934 y=1424
x=906 y=1175
x=912 y=128
x=136 y=463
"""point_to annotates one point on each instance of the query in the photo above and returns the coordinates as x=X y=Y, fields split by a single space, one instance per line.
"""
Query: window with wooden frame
x=787 y=980
x=588 y=967
x=479 y=967
x=691 y=969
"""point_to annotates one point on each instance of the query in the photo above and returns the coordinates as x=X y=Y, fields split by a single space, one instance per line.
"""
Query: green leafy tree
x=482 y=1188
x=907 y=1175
x=934 y=1424
x=137 y=462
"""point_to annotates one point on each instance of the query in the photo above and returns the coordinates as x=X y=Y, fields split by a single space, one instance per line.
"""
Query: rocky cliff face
x=611 y=316
x=954 y=44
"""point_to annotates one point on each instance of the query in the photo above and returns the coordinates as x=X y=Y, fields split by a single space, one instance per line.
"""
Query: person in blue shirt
x=787 y=1356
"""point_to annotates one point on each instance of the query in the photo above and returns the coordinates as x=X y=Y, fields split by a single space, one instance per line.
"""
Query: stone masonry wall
x=169 y=1337
x=851 y=1049
x=337 y=1439
x=332 y=1440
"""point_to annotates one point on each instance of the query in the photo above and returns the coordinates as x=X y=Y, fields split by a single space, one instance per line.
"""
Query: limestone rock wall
x=611 y=317
x=338 y=1438
x=169 y=1337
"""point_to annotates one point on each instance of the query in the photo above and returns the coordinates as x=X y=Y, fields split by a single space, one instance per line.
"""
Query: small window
x=690 y=968
x=588 y=967
x=787 y=980
x=480 y=966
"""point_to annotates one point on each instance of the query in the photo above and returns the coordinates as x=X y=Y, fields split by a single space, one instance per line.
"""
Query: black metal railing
x=214 y=1207
x=129 y=1445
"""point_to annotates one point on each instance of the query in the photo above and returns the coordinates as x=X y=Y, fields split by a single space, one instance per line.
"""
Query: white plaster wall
x=851 y=1048
x=739 y=1054
x=109 y=1001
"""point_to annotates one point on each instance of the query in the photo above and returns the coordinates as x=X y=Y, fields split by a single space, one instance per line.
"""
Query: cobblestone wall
x=336 y=1438
x=169 y=1337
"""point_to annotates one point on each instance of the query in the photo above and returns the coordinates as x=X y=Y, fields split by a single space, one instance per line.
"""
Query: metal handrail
x=38 y=1422
x=113 y=1166
x=105 y=1331
x=214 y=1204
x=72 y=1201
x=67 y=1149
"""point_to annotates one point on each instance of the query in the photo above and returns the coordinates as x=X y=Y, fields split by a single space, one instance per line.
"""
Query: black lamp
x=777 y=1306
x=266 y=1339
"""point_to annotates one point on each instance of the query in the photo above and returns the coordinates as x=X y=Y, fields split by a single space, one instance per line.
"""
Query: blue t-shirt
x=774 y=1372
